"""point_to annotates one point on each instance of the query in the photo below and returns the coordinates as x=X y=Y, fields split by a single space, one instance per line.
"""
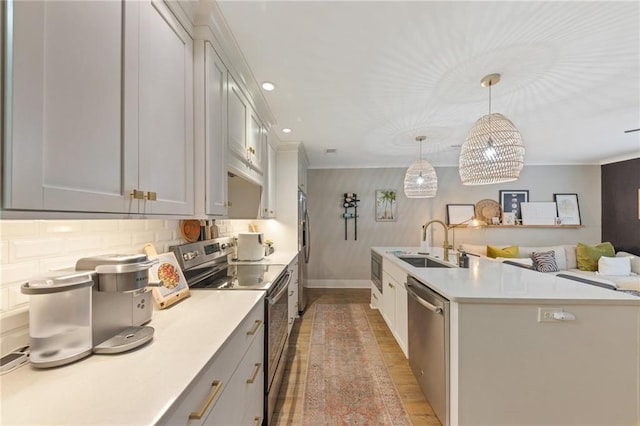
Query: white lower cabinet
x=246 y=385
x=230 y=388
x=293 y=293
x=376 y=298
x=394 y=303
x=402 y=318
x=389 y=286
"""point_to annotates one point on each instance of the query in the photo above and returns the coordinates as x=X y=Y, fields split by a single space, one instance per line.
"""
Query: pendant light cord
x=490 y=98
x=490 y=141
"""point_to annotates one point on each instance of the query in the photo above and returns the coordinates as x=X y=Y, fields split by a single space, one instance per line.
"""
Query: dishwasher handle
x=433 y=308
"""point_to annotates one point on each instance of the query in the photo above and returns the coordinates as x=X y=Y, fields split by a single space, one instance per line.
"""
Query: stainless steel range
x=205 y=266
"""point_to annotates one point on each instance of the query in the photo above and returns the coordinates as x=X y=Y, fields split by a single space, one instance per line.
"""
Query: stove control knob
x=190 y=255
x=223 y=246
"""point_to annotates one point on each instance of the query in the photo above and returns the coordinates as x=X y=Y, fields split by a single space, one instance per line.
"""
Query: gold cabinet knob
x=136 y=194
x=151 y=196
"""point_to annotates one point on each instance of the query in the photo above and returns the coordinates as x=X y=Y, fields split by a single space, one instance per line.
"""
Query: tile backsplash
x=33 y=248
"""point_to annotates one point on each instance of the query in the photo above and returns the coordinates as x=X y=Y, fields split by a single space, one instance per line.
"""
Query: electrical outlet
x=546 y=314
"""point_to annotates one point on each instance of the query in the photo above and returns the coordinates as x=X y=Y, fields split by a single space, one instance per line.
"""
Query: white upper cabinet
x=99 y=104
x=269 y=208
x=165 y=111
x=255 y=142
x=65 y=144
x=245 y=153
x=237 y=120
x=215 y=133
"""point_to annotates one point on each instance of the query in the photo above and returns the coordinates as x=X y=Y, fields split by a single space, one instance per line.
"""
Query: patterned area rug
x=347 y=380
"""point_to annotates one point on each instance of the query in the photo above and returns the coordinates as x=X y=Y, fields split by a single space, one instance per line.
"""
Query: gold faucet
x=446 y=236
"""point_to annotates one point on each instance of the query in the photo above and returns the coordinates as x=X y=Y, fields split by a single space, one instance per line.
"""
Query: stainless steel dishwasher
x=429 y=345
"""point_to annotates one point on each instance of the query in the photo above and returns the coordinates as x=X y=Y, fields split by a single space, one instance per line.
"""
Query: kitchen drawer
x=209 y=386
x=396 y=272
x=242 y=401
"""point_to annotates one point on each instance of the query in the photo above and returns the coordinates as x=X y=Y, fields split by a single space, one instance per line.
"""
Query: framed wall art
x=568 y=209
x=386 y=205
x=510 y=201
x=508 y=218
x=538 y=213
x=459 y=213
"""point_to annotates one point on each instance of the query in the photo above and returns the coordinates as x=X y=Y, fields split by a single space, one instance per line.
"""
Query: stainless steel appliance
x=59 y=319
x=304 y=249
x=376 y=270
x=120 y=302
x=205 y=266
x=429 y=345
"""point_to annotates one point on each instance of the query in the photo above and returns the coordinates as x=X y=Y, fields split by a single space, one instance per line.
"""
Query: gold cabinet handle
x=256 y=370
x=151 y=196
x=215 y=388
x=291 y=293
x=136 y=194
x=290 y=320
x=375 y=296
x=257 y=421
x=256 y=326
x=391 y=285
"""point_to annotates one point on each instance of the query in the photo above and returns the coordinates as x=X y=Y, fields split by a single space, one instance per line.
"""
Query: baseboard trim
x=338 y=283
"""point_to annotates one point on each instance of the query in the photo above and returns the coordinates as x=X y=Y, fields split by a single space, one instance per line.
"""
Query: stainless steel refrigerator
x=304 y=249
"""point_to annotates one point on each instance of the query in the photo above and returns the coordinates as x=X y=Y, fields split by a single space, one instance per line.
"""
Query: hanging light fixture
x=493 y=151
x=420 y=181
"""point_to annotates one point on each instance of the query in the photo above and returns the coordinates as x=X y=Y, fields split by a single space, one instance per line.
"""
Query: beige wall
x=334 y=259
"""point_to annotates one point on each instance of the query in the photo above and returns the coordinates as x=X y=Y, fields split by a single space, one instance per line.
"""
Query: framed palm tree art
x=386 y=205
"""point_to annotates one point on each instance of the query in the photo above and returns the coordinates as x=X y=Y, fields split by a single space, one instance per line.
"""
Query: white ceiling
x=367 y=77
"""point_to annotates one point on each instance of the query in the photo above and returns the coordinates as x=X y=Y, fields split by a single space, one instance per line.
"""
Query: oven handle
x=274 y=299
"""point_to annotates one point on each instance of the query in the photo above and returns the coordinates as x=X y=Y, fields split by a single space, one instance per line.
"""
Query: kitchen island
x=137 y=387
x=508 y=362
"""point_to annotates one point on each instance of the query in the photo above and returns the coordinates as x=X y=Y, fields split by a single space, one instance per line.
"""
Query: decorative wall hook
x=350 y=201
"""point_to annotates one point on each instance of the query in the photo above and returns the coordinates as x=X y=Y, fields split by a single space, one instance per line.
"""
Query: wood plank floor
x=288 y=409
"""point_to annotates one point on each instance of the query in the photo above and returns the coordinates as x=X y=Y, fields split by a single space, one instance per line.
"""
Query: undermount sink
x=422 y=261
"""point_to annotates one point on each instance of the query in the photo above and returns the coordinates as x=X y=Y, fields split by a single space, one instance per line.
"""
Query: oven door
x=277 y=307
x=277 y=316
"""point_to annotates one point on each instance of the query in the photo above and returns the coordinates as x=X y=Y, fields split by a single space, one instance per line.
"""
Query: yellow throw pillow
x=511 y=252
x=587 y=255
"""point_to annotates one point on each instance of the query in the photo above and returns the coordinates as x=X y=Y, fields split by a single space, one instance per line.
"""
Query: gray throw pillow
x=544 y=261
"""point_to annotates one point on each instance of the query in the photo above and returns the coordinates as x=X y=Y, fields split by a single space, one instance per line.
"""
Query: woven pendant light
x=493 y=151
x=420 y=181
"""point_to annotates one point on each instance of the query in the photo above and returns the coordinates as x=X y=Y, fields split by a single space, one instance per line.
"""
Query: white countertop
x=134 y=387
x=488 y=281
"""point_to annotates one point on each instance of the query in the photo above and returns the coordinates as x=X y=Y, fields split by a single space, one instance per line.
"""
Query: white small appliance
x=250 y=246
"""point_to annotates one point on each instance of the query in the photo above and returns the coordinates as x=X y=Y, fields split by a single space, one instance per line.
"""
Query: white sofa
x=566 y=259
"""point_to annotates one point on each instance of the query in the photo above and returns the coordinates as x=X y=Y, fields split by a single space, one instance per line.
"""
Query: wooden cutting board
x=174 y=285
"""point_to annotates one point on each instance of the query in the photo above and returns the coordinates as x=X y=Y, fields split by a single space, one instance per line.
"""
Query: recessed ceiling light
x=330 y=151
x=286 y=130
x=268 y=86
